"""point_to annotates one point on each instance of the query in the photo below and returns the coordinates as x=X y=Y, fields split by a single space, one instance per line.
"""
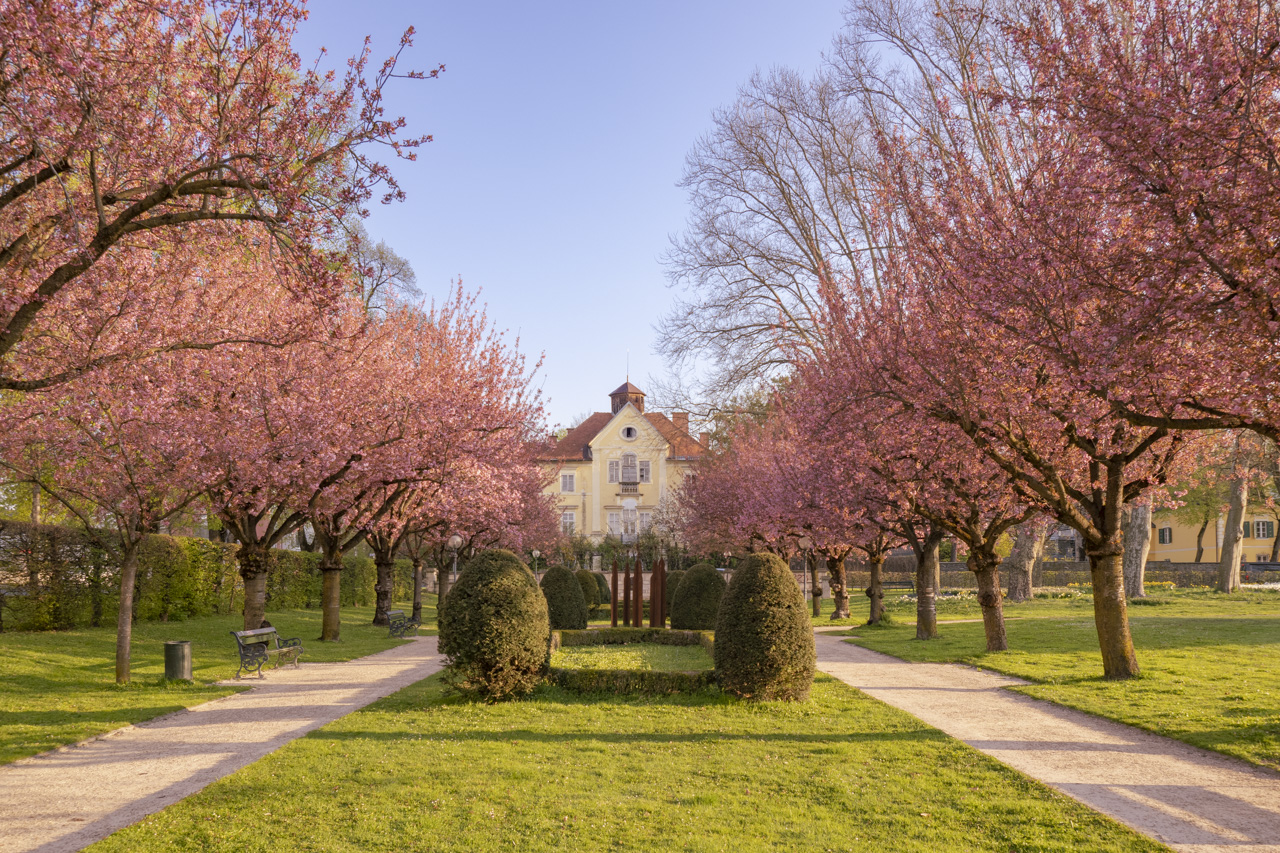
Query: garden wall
x=56 y=578
x=1046 y=573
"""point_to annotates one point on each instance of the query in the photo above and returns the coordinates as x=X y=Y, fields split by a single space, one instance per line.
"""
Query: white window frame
x=646 y=521
x=614 y=467
x=630 y=470
x=615 y=523
x=645 y=471
x=568 y=522
x=567 y=483
x=630 y=520
x=1264 y=530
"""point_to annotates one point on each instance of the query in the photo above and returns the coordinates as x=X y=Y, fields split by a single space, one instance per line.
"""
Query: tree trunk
x=1137 y=544
x=986 y=568
x=928 y=564
x=254 y=560
x=383 y=587
x=417 y=588
x=124 y=616
x=35 y=503
x=1232 y=544
x=815 y=584
x=330 y=603
x=839 y=579
x=1200 y=539
x=1275 y=544
x=1111 y=612
x=875 y=592
x=1019 y=566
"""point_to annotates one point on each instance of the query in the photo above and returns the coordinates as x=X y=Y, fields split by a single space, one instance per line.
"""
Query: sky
x=560 y=131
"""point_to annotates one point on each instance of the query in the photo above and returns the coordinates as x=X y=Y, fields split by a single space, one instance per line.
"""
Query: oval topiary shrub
x=494 y=628
x=590 y=592
x=697 y=599
x=673 y=582
x=602 y=587
x=764 y=640
x=565 y=603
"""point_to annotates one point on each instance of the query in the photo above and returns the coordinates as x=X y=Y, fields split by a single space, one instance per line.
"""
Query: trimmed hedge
x=604 y=593
x=673 y=583
x=590 y=592
x=566 y=605
x=623 y=636
x=636 y=681
x=697 y=599
x=494 y=628
x=764 y=640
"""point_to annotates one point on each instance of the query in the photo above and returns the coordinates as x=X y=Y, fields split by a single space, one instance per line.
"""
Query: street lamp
x=454 y=544
x=536 y=554
x=805 y=544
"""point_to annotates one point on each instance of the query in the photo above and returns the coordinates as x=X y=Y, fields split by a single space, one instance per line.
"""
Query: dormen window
x=613 y=471
x=629 y=432
x=644 y=471
x=630 y=471
x=566 y=482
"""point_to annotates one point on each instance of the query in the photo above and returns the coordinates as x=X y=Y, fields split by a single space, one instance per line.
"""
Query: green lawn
x=646 y=656
x=422 y=771
x=57 y=687
x=1210 y=664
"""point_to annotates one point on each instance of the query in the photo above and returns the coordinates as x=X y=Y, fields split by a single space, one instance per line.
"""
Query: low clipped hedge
x=590 y=592
x=494 y=628
x=635 y=681
x=566 y=605
x=639 y=681
x=764 y=645
x=697 y=599
x=623 y=636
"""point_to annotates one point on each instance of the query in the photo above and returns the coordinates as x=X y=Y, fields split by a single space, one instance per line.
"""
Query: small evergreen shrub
x=565 y=603
x=697 y=599
x=590 y=592
x=764 y=645
x=673 y=581
x=494 y=628
x=605 y=594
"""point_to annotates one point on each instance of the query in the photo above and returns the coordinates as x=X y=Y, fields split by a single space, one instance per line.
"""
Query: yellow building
x=1175 y=540
x=612 y=471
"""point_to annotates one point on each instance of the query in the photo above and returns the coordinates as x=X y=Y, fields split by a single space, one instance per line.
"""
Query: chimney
x=681 y=420
x=704 y=438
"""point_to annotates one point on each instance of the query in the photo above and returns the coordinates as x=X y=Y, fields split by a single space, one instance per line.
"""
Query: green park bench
x=256 y=649
x=400 y=625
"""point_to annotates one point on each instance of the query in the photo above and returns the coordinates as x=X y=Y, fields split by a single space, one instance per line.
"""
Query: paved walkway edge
x=70 y=797
x=1190 y=799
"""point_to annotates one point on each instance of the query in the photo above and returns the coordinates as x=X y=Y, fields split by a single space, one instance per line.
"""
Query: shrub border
x=642 y=682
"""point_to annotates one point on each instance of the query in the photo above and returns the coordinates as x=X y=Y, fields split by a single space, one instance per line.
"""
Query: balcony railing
x=629 y=488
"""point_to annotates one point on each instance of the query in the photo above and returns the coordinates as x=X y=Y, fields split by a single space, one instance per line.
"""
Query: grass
x=422 y=770
x=1210 y=664
x=645 y=656
x=58 y=687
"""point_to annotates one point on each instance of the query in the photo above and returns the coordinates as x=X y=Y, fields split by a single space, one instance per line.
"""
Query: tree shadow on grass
x=508 y=737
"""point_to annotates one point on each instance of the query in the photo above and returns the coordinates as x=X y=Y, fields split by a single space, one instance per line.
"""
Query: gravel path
x=1190 y=799
x=69 y=798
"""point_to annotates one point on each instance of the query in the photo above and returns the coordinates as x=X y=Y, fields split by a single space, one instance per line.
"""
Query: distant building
x=613 y=470
x=1175 y=540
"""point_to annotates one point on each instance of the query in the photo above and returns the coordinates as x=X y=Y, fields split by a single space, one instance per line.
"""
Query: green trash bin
x=177 y=660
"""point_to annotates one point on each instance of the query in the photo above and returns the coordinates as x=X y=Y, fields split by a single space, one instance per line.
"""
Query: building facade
x=1175 y=540
x=610 y=473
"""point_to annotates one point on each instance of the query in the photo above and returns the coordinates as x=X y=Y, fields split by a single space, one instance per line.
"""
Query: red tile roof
x=573 y=447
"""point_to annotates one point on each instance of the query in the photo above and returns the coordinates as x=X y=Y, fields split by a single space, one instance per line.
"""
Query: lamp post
x=806 y=544
x=454 y=544
x=536 y=554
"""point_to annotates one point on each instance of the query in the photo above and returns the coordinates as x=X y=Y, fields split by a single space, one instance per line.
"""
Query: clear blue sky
x=560 y=131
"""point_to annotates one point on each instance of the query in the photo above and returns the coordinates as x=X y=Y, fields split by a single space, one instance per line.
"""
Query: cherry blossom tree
x=132 y=128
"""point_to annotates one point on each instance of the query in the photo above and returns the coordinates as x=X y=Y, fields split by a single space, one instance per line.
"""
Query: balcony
x=628 y=488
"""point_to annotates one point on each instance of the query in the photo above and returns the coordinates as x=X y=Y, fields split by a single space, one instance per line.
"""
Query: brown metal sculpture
x=613 y=596
x=626 y=597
